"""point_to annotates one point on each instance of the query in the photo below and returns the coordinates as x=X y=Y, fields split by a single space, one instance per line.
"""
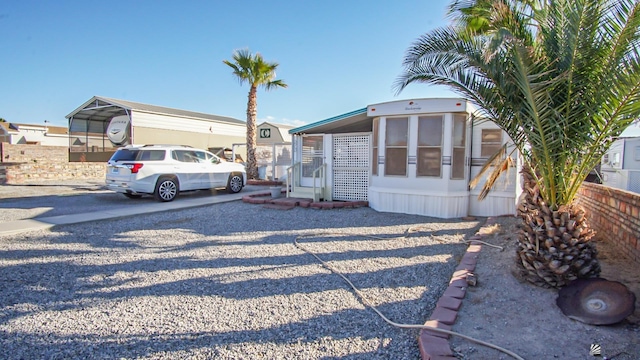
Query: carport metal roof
x=103 y=108
x=354 y=121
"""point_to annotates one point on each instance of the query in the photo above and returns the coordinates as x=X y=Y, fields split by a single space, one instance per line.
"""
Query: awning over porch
x=351 y=122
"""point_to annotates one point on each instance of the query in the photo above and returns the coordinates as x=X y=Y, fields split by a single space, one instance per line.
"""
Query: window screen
x=396 y=146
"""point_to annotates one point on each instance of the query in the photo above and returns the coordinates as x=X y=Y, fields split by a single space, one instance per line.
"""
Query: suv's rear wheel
x=235 y=183
x=166 y=189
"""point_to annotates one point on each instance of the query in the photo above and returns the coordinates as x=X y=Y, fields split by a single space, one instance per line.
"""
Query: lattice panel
x=351 y=151
x=351 y=167
x=350 y=184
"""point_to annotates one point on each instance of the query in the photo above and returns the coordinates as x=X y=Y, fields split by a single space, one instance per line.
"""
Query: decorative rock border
x=264 y=182
x=434 y=345
x=289 y=202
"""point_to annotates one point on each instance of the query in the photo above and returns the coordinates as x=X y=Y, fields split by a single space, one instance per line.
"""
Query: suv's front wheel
x=166 y=189
x=235 y=183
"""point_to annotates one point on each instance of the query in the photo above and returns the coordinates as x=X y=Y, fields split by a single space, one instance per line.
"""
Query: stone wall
x=21 y=164
x=614 y=214
x=21 y=153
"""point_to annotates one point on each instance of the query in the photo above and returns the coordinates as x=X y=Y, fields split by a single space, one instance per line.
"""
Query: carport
x=138 y=123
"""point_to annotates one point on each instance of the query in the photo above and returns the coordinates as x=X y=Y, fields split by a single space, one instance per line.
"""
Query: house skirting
x=441 y=205
x=425 y=203
x=495 y=204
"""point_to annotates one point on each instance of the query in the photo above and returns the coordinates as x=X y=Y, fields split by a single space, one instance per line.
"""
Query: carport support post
x=273 y=162
x=233 y=150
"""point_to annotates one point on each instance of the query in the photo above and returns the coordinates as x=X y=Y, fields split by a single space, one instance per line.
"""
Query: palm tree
x=562 y=79
x=257 y=72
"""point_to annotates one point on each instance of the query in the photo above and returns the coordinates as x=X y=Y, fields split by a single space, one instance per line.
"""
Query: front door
x=312 y=159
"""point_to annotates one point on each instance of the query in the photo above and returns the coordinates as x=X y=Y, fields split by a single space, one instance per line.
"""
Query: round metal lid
x=596 y=301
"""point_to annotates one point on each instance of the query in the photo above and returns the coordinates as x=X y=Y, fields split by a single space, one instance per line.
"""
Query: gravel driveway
x=225 y=281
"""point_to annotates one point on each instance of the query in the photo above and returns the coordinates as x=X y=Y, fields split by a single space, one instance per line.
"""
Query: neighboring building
x=620 y=166
x=270 y=139
x=273 y=150
x=14 y=133
x=409 y=156
x=4 y=133
x=101 y=125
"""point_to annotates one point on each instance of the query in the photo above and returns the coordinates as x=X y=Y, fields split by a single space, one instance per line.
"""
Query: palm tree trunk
x=252 y=112
x=553 y=246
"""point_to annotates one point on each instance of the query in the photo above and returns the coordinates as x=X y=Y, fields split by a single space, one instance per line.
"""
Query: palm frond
x=561 y=78
x=498 y=164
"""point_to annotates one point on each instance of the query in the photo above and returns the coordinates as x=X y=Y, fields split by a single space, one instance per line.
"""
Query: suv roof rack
x=167 y=145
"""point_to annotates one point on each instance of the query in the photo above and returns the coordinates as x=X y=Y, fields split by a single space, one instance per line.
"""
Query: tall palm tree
x=562 y=79
x=254 y=70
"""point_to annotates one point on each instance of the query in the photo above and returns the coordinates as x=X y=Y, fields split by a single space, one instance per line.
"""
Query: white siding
x=426 y=203
x=495 y=204
x=631 y=154
x=32 y=136
x=502 y=199
x=165 y=122
x=612 y=160
x=420 y=106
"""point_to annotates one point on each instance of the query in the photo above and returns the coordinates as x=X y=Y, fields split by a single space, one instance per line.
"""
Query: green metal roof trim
x=135 y=106
x=327 y=121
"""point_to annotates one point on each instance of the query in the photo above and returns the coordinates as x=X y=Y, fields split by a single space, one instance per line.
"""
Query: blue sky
x=336 y=56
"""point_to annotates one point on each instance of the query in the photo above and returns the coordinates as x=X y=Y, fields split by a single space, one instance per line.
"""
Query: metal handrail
x=293 y=173
x=321 y=169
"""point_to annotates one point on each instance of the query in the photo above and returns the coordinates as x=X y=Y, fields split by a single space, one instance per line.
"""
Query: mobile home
x=413 y=156
x=620 y=166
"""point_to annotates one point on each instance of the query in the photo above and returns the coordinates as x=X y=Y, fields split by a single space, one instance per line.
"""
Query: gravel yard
x=225 y=281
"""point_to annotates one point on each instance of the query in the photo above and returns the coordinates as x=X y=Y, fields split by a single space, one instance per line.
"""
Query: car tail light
x=135 y=167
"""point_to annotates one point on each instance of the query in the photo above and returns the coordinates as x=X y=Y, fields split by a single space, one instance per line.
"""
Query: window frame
x=396 y=147
x=375 y=146
x=458 y=166
x=420 y=147
x=484 y=143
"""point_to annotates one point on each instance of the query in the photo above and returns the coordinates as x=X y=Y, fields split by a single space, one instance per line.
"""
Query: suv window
x=138 y=155
x=202 y=156
x=189 y=156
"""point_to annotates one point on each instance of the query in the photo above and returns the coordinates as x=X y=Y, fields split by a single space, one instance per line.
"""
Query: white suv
x=165 y=170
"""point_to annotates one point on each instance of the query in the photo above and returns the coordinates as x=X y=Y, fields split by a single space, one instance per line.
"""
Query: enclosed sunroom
x=410 y=156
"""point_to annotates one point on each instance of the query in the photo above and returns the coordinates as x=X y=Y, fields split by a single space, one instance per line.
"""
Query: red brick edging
x=265 y=198
x=435 y=345
x=264 y=182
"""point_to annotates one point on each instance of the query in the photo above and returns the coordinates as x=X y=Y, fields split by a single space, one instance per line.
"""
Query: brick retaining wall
x=615 y=215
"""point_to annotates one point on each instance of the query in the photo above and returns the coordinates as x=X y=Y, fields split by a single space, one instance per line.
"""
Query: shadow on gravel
x=343 y=326
x=228 y=251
